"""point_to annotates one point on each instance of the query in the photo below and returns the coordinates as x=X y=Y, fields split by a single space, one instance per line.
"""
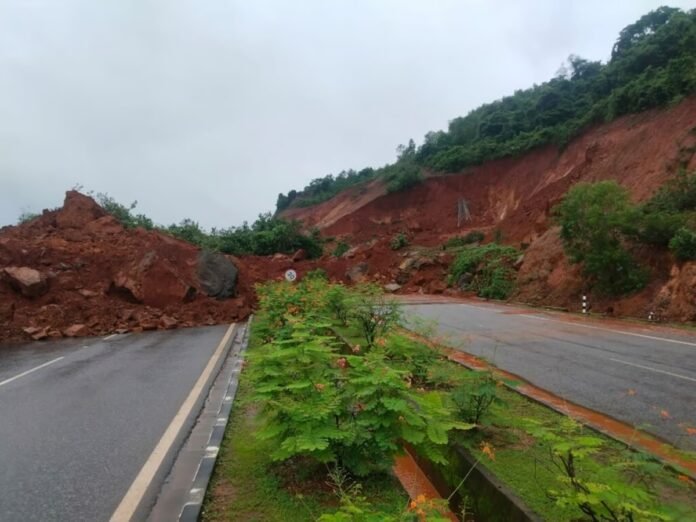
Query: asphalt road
x=76 y=430
x=643 y=376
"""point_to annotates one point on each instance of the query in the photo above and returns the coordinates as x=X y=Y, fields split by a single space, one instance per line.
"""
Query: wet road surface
x=643 y=376
x=79 y=418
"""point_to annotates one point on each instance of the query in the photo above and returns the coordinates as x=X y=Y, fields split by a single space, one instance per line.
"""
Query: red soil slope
x=515 y=195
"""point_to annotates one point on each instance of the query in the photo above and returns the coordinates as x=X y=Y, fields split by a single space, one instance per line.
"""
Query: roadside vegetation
x=399 y=241
x=268 y=235
x=487 y=269
x=652 y=64
x=600 y=226
x=332 y=389
x=341 y=248
x=475 y=236
x=27 y=216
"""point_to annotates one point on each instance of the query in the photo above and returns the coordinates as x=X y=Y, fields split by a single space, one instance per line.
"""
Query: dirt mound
x=76 y=271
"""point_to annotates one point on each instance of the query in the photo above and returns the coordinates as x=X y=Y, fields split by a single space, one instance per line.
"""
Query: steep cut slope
x=516 y=195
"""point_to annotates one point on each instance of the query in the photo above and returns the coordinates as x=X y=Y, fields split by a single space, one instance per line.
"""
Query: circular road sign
x=290 y=275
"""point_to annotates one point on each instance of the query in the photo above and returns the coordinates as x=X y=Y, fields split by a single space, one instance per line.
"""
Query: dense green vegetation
x=475 y=236
x=486 y=270
x=266 y=236
x=341 y=248
x=600 y=226
x=321 y=189
x=593 y=221
x=247 y=485
x=683 y=244
x=349 y=407
x=653 y=64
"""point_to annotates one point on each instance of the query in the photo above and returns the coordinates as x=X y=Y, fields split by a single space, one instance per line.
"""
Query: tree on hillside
x=593 y=220
x=646 y=25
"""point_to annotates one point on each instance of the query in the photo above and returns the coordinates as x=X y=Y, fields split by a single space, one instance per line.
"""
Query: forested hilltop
x=653 y=64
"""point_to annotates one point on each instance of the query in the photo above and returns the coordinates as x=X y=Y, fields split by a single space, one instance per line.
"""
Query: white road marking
x=126 y=509
x=8 y=381
x=109 y=337
x=656 y=370
x=651 y=337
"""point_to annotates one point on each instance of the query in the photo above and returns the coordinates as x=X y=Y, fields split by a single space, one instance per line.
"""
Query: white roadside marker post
x=584 y=304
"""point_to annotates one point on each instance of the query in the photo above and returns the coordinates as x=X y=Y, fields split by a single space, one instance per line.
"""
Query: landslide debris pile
x=77 y=271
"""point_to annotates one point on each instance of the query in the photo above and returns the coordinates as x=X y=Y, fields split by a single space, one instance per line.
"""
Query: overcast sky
x=208 y=108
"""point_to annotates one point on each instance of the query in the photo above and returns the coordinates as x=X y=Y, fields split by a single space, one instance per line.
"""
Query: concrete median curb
x=182 y=494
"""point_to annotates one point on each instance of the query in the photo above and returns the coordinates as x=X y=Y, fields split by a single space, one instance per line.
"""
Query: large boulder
x=27 y=281
x=217 y=275
x=154 y=281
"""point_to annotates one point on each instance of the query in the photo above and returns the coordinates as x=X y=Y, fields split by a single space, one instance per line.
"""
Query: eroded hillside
x=515 y=196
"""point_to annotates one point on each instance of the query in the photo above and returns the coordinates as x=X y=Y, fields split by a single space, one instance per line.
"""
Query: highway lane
x=645 y=377
x=79 y=418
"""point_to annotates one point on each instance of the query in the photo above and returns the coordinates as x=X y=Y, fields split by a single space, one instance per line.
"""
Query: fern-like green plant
x=295 y=384
x=385 y=410
x=568 y=448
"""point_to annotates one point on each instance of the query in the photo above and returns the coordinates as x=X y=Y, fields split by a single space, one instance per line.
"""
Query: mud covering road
x=81 y=417
x=643 y=376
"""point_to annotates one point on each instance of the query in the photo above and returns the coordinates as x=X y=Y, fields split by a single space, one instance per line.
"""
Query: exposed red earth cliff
x=515 y=196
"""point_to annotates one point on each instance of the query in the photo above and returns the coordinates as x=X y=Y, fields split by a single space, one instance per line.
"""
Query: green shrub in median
x=374 y=313
x=569 y=447
x=350 y=408
x=475 y=397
